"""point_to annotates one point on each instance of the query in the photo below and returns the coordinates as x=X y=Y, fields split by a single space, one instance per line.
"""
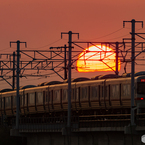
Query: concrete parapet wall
x=93 y=138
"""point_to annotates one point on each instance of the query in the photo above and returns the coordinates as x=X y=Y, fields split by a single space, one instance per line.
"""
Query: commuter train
x=98 y=96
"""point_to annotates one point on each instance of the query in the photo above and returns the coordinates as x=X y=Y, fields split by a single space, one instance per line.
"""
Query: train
x=100 y=95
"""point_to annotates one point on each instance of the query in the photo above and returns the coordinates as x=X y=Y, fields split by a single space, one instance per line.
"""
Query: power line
x=7 y=48
x=46 y=45
x=118 y=37
x=107 y=34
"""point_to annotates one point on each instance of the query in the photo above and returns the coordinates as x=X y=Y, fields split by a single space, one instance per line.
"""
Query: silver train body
x=105 y=94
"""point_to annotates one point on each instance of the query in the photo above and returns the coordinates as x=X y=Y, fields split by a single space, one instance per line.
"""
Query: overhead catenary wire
x=45 y=45
x=110 y=33
x=7 y=49
x=22 y=81
x=106 y=34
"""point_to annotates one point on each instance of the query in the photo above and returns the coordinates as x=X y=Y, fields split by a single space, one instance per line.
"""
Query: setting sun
x=97 y=58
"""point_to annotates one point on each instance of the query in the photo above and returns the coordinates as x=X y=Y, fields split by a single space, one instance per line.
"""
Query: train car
x=119 y=92
x=34 y=100
x=65 y=96
x=140 y=91
x=95 y=94
x=8 y=102
x=112 y=95
x=88 y=94
x=58 y=95
x=55 y=97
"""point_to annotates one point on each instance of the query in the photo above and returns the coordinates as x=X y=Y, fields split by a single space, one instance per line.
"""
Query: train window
x=115 y=90
x=77 y=93
x=31 y=97
x=14 y=100
x=84 y=92
x=21 y=100
x=3 y=103
x=141 y=87
x=50 y=95
x=25 y=102
x=126 y=89
x=0 y=102
x=94 y=91
x=108 y=90
x=8 y=101
x=56 y=95
x=46 y=96
x=65 y=95
x=39 y=97
x=104 y=92
x=11 y=101
x=73 y=94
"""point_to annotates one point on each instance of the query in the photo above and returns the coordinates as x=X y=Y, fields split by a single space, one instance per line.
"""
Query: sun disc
x=97 y=58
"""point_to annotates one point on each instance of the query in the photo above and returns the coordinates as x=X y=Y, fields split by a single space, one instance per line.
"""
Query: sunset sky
x=40 y=23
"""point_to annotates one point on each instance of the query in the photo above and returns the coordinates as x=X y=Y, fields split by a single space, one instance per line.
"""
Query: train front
x=140 y=93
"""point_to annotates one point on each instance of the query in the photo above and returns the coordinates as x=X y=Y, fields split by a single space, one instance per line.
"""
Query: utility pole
x=132 y=71
x=18 y=72
x=65 y=63
x=116 y=58
x=69 y=76
x=132 y=66
x=69 y=83
x=13 y=71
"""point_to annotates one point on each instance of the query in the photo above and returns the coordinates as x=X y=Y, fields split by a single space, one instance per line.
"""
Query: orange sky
x=40 y=23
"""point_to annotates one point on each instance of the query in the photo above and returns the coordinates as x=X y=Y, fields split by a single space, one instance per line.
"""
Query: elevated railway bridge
x=107 y=129
x=100 y=113
x=112 y=122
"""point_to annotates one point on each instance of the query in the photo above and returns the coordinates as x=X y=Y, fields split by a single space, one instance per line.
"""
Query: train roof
x=95 y=77
x=66 y=80
x=41 y=84
x=5 y=90
x=140 y=73
x=77 y=79
x=52 y=83
x=135 y=74
x=27 y=86
x=126 y=74
x=136 y=78
x=108 y=76
x=80 y=79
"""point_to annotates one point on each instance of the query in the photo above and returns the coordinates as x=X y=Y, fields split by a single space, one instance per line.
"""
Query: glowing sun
x=97 y=58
